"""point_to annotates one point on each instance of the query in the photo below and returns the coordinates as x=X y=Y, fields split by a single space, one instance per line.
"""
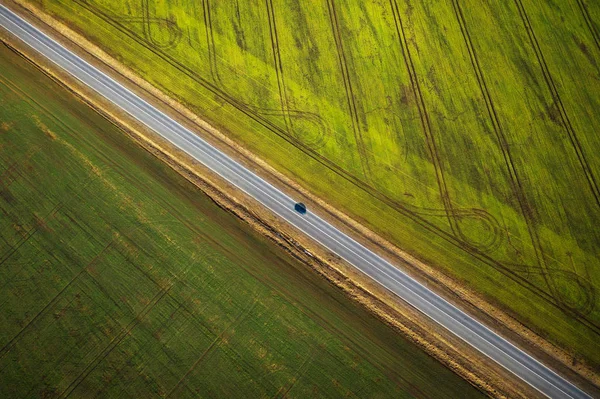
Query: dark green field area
x=464 y=131
x=119 y=279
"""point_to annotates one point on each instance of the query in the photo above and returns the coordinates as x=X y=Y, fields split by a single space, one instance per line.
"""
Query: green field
x=463 y=131
x=120 y=279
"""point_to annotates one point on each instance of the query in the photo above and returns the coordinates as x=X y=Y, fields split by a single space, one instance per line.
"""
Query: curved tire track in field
x=453 y=214
x=542 y=267
x=148 y=23
x=288 y=113
x=564 y=280
x=322 y=130
x=400 y=207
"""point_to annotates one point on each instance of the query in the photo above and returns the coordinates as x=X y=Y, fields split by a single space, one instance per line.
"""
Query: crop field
x=464 y=131
x=118 y=278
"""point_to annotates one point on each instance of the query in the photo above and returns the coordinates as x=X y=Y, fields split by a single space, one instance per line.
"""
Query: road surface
x=383 y=272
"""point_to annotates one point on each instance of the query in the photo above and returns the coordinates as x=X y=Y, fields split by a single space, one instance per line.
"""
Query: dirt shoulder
x=451 y=351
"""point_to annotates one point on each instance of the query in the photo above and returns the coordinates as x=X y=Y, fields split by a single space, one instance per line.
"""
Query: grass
x=120 y=279
x=463 y=132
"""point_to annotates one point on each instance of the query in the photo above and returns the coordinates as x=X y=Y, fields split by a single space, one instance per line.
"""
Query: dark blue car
x=300 y=208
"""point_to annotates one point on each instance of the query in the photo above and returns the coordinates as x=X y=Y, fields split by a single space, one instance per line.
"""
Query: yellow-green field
x=118 y=278
x=464 y=131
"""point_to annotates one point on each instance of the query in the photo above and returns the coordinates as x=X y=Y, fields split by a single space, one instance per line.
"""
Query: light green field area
x=463 y=131
x=118 y=278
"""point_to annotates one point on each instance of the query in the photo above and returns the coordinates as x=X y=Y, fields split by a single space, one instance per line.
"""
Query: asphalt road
x=383 y=272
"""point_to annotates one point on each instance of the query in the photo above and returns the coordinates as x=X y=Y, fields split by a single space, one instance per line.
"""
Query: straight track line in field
x=214 y=344
x=210 y=41
x=334 y=168
x=439 y=310
x=516 y=184
x=406 y=384
x=352 y=107
x=279 y=67
x=425 y=121
x=589 y=22
x=10 y=344
x=566 y=122
x=115 y=341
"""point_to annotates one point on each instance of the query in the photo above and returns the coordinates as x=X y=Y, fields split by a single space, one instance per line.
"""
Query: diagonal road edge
x=364 y=260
